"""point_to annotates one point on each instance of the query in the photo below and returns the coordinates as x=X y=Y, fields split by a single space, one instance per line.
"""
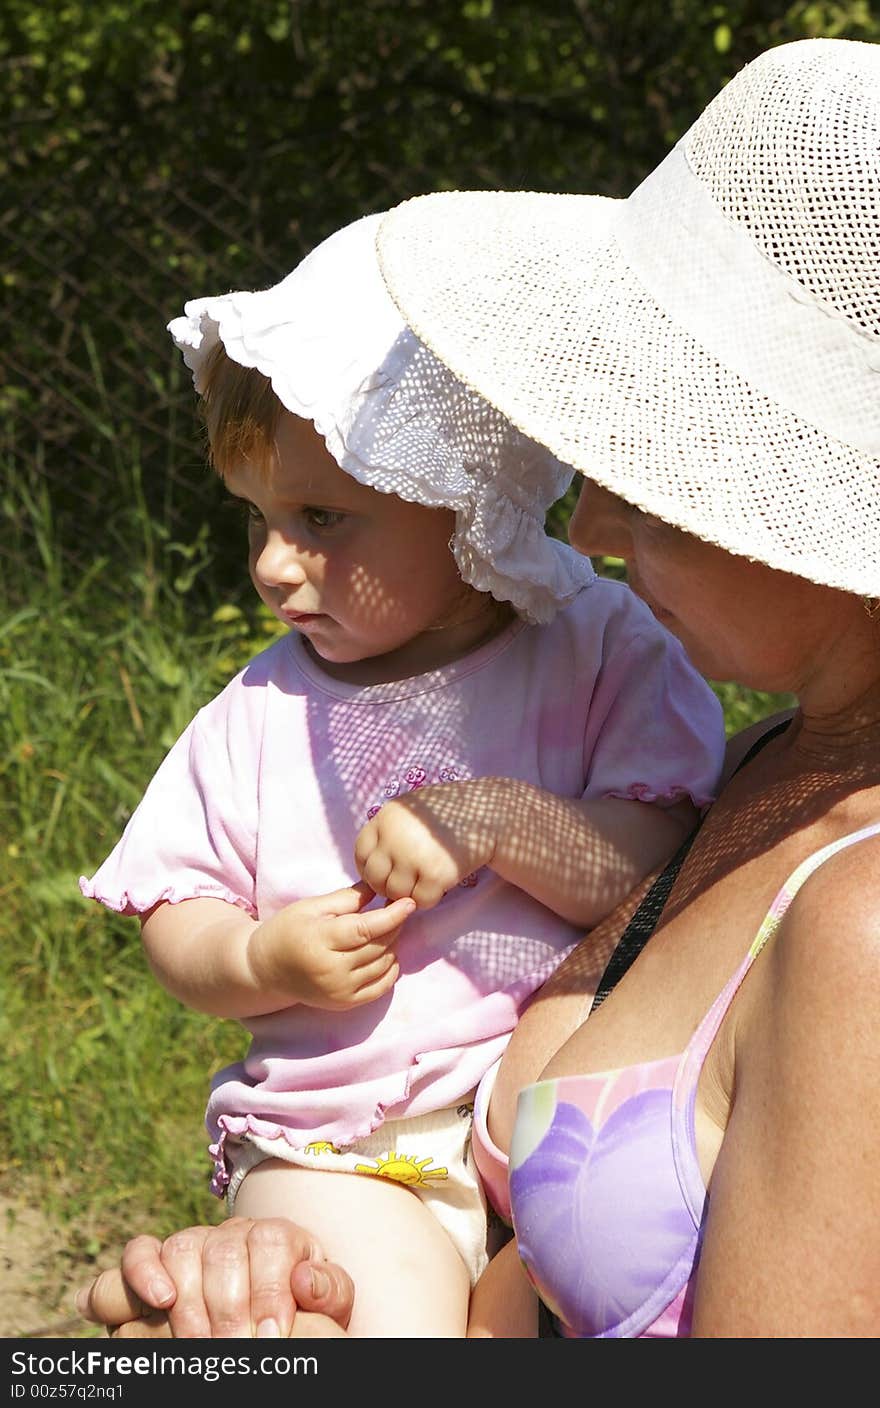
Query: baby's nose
x=279 y=562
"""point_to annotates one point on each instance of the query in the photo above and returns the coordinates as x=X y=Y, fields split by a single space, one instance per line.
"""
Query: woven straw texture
x=754 y=426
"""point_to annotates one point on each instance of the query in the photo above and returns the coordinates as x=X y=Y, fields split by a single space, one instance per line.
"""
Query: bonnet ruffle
x=336 y=352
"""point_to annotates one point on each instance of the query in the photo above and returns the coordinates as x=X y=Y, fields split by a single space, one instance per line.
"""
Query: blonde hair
x=240 y=412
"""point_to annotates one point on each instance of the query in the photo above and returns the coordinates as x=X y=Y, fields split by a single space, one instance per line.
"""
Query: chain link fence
x=97 y=412
x=209 y=167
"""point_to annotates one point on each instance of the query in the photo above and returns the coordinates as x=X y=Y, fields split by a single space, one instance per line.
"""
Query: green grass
x=104 y=1080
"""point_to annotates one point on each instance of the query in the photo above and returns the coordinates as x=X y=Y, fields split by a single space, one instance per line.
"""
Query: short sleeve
x=193 y=835
x=655 y=731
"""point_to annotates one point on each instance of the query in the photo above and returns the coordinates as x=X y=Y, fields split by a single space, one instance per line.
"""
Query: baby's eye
x=243 y=508
x=322 y=517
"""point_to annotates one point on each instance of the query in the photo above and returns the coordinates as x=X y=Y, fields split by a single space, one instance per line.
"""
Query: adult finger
x=108 y=1300
x=212 y=1274
x=152 y=1326
x=247 y=1269
x=325 y=1288
x=143 y=1270
x=290 y=1278
x=307 y=1326
x=273 y=1245
x=183 y=1257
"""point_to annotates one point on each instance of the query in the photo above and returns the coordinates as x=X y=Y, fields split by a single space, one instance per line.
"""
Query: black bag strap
x=647 y=916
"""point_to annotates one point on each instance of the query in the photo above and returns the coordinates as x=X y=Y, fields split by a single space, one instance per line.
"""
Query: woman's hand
x=246 y=1278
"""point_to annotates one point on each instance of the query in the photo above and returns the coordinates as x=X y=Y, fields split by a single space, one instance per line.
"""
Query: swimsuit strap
x=646 y=918
x=688 y=1075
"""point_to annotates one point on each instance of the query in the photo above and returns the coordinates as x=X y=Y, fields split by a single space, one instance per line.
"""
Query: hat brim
x=528 y=298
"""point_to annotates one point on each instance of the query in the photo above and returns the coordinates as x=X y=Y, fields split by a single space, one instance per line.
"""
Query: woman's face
x=736 y=619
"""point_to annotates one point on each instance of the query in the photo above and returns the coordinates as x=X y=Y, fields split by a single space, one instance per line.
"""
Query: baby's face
x=358 y=573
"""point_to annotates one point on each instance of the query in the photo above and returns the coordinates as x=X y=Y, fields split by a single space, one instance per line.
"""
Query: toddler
x=383 y=835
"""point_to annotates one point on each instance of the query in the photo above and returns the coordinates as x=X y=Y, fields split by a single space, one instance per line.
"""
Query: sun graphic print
x=320 y=1146
x=404 y=1168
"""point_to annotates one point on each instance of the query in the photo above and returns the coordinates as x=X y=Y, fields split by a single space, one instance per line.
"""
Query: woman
x=706 y=353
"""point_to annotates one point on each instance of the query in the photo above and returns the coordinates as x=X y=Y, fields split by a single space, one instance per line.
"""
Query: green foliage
x=93 y=689
x=383 y=79
x=156 y=151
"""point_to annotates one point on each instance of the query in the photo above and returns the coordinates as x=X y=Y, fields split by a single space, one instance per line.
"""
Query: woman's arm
x=792 y=1239
x=503 y=1304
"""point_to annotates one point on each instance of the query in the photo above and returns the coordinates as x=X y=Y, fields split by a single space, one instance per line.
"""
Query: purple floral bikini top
x=606 y=1194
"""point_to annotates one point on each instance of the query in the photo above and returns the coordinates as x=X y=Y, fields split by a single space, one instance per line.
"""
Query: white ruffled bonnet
x=337 y=353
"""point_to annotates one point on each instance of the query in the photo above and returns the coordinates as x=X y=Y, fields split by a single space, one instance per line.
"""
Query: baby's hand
x=329 y=951
x=425 y=842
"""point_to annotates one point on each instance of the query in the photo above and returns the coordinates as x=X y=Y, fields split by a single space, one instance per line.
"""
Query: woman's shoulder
x=839 y=900
x=828 y=943
x=739 y=743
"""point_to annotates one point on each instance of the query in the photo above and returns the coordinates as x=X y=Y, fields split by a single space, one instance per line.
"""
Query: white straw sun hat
x=337 y=353
x=709 y=348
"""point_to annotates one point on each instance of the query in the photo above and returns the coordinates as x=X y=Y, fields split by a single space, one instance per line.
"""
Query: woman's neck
x=839 y=709
x=837 y=687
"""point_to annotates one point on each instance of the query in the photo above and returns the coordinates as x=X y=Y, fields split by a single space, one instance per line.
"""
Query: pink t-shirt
x=261 y=798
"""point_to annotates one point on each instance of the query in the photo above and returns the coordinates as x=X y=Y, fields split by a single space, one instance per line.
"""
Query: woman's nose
x=599 y=525
x=278 y=562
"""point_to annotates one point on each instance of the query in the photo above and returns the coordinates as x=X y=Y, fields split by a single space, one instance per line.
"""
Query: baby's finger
x=360 y=938
x=427 y=892
x=400 y=882
x=375 y=980
x=375 y=869
x=350 y=899
x=364 y=845
x=383 y=924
